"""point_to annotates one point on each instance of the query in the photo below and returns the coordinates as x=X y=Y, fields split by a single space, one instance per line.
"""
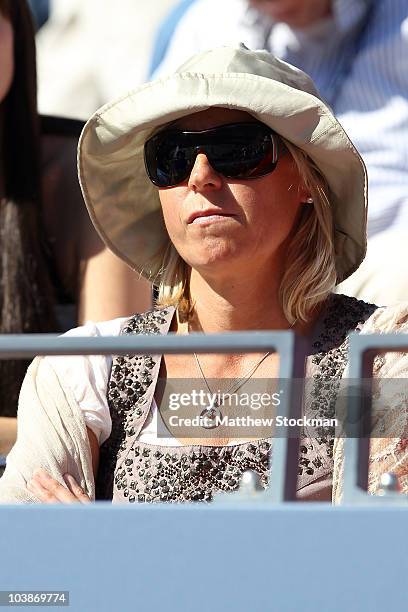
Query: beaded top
x=138 y=472
x=188 y=473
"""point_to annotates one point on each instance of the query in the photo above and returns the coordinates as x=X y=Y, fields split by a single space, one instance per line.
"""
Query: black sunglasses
x=236 y=150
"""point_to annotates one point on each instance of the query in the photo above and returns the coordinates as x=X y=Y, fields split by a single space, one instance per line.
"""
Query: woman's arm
x=52 y=435
x=8 y=433
x=108 y=288
x=49 y=491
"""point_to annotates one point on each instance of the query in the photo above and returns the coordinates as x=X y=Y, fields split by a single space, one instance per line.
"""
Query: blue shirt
x=165 y=33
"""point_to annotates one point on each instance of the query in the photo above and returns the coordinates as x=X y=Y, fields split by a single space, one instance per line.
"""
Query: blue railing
x=249 y=552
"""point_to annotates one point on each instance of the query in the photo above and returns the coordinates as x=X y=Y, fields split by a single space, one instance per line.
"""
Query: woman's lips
x=211 y=215
x=210 y=219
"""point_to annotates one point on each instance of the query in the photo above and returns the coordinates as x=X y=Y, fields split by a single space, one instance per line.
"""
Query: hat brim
x=124 y=205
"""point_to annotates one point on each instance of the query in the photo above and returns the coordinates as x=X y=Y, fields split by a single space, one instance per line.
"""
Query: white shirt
x=88 y=377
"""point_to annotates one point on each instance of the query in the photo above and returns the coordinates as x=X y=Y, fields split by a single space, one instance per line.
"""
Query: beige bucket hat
x=124 y=205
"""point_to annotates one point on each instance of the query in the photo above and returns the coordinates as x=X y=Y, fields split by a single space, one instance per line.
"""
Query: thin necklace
x=212 y=416
x=209 y=415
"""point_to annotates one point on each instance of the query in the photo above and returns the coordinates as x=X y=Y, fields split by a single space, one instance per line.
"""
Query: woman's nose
x=203 y=177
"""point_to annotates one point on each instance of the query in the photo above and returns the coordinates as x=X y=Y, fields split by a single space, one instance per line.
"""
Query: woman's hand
x=50 y=491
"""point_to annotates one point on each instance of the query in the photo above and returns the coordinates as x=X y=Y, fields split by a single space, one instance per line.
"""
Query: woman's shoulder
x=157 y=320
x=142 y=322
x=154 y=320
x=388 y=319
x=113 y=327
x=353 y=314
x=340 y=315
x=86 y=375
x=378 y=320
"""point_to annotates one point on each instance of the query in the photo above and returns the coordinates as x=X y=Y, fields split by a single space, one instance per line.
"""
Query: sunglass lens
x=254 y=156
x=167 y=162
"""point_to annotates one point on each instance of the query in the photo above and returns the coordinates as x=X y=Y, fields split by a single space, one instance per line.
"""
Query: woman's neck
x=234 y=304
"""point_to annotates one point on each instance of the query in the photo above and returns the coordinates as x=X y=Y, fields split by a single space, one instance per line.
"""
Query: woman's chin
x=214 y=262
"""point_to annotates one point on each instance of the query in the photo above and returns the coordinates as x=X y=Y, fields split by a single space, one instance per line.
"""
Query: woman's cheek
x=171 y=209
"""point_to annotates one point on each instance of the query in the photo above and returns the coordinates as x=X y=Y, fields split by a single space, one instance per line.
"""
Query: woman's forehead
x=211 y=118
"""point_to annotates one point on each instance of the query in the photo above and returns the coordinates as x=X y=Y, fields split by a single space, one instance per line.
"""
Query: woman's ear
x=304 y=195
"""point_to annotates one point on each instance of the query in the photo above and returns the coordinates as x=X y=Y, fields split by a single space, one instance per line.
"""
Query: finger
x=42 y=494
x=56 y=491
x=75 y=489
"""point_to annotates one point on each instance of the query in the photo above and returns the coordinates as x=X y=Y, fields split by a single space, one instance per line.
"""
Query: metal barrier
x=291 y=350
x=363 y=350
x=257 y=555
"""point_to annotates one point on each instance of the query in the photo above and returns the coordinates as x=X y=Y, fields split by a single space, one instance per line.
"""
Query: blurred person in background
x=91 y=51
x=49 y=251
x=356 y=51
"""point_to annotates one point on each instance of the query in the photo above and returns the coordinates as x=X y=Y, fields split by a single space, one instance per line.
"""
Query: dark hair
x=26 y=295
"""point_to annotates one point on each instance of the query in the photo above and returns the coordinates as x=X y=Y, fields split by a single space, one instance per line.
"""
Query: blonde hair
x=310 y=272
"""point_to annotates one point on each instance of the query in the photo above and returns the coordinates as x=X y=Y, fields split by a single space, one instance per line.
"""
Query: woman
x=231 y=185
x=45 y=253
